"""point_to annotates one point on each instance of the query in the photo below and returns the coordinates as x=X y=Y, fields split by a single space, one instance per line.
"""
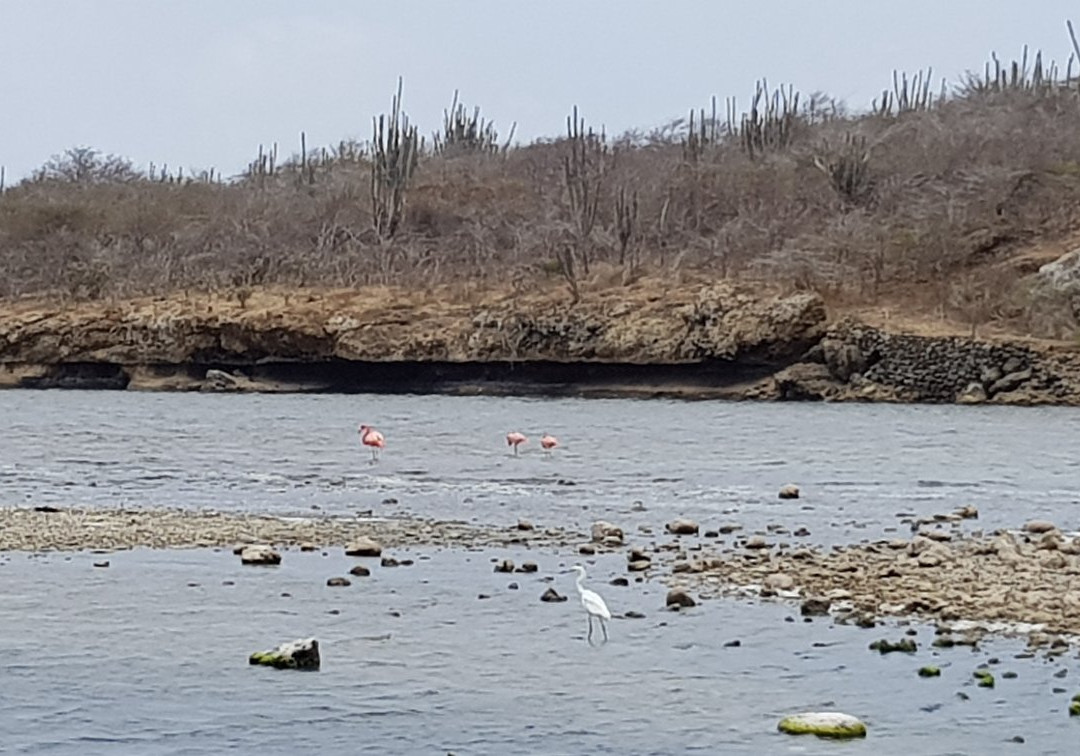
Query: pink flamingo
x=548 y=442
x=371 y=437
x=515 y=439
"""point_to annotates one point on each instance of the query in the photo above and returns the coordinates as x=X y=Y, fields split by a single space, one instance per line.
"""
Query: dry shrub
x=855 y=206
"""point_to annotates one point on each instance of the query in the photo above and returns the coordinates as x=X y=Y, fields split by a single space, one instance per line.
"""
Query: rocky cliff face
x=643 y=326
x=704 y=340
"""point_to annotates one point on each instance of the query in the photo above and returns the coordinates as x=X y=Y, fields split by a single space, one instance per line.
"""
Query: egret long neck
x=580 y=577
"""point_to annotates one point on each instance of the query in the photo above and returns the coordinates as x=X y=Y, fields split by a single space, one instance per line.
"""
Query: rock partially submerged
x=297 y=654
x=682 y=526
x=825 y=724
x=259 y=555
x=364 y=547
x=603 y=531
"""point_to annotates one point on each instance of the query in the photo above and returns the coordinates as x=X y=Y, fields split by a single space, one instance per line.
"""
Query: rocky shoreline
x=1012 y=581
x=694 y=341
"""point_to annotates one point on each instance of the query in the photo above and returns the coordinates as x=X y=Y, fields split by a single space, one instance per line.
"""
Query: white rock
x=601 y=529
x=259 y=555
x=790 y=491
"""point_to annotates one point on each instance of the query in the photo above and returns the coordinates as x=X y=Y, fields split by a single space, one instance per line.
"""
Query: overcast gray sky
x=202 y=83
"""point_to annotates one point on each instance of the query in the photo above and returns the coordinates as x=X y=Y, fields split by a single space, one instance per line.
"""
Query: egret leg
x=603 y=626
x=589 y=636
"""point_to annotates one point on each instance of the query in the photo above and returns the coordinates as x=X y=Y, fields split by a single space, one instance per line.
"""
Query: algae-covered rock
x=297 y=654
x=929 y=671
x=1074 y=706
x=825 y=724
x=906 y=645
x=985 y=678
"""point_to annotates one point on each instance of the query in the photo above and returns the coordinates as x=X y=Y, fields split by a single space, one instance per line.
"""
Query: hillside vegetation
x=936 y=203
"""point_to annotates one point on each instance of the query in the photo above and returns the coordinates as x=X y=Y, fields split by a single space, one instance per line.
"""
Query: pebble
x=360 y=571
x=338 y=582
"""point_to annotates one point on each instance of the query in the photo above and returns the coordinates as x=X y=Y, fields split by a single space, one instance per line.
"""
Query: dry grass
x=930 y=211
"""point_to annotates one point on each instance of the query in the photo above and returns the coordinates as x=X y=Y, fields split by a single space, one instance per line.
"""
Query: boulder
x=360 y=571
x=805 y=381
x=682 y=526
x=1039 y=526
x=259 y=555
x=297 y=654
x=756 y=542
x=790 y=491
x=825 y=724
x=551 y=595
x=602 y=530
x=506 y=565
x=815 y=607
x=679 y=598
x=338 y=582
x=219 y=380
x=1010 y=382
x=974 y=393
x=780 y=581
x=364 y=547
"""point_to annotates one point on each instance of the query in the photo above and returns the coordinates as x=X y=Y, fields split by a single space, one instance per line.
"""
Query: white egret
x=594 y=605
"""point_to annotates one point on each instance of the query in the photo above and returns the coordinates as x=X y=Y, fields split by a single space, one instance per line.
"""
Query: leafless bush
x=892 y=204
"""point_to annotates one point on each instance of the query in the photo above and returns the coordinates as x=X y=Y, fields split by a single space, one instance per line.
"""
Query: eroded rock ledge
x=707 y=340
x=643 y=337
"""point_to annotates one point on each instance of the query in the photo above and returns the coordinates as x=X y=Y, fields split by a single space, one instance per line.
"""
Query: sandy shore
x=25 y=529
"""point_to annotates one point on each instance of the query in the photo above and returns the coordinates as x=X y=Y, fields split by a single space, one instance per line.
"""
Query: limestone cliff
x=644 y=325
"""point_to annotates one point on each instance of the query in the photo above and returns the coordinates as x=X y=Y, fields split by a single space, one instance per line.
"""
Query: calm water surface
x=149 y=656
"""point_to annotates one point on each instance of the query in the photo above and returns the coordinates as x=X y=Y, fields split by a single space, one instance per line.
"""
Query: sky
x=202 y=83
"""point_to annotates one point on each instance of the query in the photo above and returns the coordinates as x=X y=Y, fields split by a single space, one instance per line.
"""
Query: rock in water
x=552 y=595
x=826 y=724
x=682 y=526
x=601 y=530
x=259 y=555
x=790 y=491
x=364 y=547
x=298 y=654
x=679 y=598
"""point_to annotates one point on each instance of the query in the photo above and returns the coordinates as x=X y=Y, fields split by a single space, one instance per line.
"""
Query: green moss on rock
x=929 y=671
x=825 y=724
x=985 y=678
x=907 y=645
x=299 y=654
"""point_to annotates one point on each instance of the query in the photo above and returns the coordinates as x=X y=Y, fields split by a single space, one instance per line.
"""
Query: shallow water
x=859 y=466
x=131 y=659
x=149 y=657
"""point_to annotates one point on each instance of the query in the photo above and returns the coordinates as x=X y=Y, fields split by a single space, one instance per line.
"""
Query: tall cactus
x=395 y=154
